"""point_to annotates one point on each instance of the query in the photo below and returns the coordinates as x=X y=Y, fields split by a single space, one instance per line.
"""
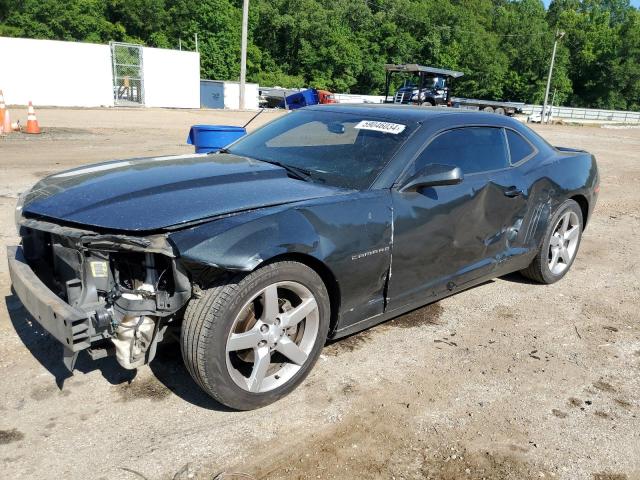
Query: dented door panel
x=445 y=237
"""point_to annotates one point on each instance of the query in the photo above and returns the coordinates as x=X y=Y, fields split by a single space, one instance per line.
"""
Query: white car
x=536 y=116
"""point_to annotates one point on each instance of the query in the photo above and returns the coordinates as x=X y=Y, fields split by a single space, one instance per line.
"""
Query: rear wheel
x=560 y=245
x=500 y=111
x=488 y=109
x=252 y=340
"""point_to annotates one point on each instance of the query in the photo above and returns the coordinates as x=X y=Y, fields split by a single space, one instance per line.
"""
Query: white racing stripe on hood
x=124 y=163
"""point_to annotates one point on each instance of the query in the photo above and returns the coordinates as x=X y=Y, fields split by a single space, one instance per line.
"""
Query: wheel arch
x=583 y=203
x=325 y=273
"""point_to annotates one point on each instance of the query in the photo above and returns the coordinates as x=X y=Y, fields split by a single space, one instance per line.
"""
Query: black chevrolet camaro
x=322 y=223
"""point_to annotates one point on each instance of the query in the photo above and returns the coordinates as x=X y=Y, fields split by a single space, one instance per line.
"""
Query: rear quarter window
x=519 y=148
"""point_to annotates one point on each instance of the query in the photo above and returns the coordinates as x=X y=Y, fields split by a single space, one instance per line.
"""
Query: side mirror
x=433 y=175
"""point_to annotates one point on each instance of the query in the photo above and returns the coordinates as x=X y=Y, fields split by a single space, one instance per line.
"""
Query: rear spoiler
x=569 y=150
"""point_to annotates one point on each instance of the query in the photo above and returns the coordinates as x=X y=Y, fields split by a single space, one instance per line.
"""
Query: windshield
x=339 y=149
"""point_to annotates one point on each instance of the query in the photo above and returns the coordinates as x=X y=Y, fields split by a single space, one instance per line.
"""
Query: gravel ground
x=507 y=380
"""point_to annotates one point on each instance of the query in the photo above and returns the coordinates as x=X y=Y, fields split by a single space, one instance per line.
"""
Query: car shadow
x=167 y=367
x=517 y=277
x=49 y=352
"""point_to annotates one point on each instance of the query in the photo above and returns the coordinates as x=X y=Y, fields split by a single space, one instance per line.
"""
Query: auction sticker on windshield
x=386 y=127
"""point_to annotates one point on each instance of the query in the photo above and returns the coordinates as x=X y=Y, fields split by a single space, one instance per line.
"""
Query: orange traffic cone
x=3 y=108
x=6 y=122
x=32 y=122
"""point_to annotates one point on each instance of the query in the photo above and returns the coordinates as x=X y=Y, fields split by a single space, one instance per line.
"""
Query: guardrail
x=590 y=114
x=569 y=113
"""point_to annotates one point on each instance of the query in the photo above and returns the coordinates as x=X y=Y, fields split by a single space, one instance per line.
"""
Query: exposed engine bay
x=129 y=287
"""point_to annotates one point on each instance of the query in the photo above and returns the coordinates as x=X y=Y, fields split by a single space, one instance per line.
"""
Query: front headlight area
x=131 y=288
x=138 y=283
x=140 y=294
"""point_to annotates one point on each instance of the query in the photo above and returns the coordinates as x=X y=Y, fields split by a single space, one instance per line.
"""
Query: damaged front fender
x=350 y=235
x=242 y=242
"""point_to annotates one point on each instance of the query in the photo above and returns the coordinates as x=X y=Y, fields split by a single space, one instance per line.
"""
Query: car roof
x=413 y=113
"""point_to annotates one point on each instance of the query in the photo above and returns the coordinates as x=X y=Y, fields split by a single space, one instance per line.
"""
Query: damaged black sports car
x=322 y=223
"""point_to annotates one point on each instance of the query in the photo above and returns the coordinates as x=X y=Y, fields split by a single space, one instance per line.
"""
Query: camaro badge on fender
x=358 y=256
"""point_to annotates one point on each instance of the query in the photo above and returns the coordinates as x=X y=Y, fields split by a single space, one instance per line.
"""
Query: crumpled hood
x=154 y=193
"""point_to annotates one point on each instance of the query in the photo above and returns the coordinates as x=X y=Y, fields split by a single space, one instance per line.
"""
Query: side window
x=518 y=146
x=473 y=149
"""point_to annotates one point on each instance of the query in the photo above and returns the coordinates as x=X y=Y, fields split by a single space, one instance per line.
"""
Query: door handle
x=512 y=192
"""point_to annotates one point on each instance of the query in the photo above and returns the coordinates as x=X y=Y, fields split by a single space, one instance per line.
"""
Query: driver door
x=447 y=236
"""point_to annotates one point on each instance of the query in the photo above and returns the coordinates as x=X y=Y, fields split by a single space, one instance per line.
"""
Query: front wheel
x=251 y=340
x=560 y=245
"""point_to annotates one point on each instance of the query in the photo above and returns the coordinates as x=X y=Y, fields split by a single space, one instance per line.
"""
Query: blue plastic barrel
x=211 y=138
x=301 y=99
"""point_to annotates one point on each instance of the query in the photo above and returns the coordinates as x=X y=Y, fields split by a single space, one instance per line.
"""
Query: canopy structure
x=415 y=68
x=423 y=73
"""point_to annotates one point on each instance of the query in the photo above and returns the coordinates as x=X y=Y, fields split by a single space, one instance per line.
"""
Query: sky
x=635 y=3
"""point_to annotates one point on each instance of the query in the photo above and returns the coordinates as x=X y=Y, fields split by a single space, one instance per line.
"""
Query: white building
x=75 y=74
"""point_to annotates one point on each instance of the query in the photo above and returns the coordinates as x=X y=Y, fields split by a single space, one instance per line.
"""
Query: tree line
x=502 y=46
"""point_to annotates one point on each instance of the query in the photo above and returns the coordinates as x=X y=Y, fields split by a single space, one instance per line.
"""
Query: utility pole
x=243 y=50
x=559 y=36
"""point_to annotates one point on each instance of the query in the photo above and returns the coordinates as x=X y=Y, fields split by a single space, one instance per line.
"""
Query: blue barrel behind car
x=301 y=99
x=211 y=138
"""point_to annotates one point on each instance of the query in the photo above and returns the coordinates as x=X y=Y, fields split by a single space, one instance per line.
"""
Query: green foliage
x=502 y=46
x=603 y=45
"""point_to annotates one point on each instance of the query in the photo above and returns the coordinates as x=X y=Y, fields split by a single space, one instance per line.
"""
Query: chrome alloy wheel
x=564 y=242
x=272 y=336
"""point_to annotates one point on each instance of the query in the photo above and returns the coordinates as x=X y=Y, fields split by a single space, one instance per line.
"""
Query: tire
x=499 y=111
x=219 y=326
x=543 y=269
x=488 y=109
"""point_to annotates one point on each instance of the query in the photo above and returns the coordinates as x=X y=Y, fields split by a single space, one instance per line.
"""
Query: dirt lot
x=507 y=380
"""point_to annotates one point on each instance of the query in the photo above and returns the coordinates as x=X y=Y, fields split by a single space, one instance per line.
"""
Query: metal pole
x=197 y=42
x=180 y=44
x=243 y=50
x=559 y=35
x=386 y=86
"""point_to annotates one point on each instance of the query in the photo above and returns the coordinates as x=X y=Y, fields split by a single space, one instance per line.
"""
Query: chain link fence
x=128 y=79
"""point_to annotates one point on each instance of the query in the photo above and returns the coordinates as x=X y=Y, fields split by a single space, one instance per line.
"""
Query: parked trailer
x=501 y=108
